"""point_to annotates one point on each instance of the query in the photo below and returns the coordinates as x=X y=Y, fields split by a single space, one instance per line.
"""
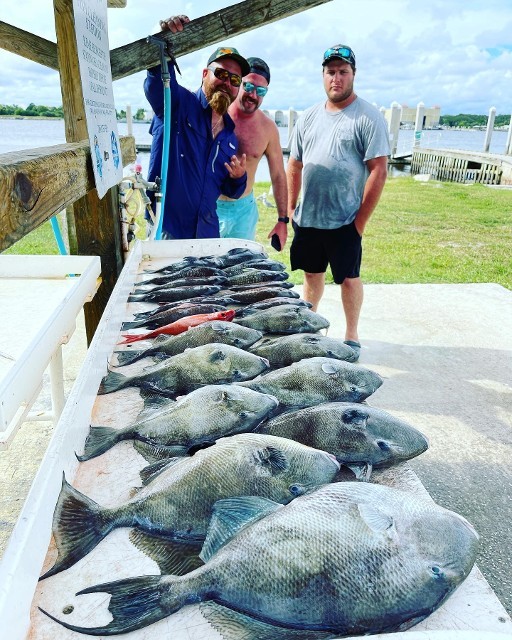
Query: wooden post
x=96 y=221
x=508 y=145
x=490 y=128
x=394 y=127
x=292 y=119
x=418 y=126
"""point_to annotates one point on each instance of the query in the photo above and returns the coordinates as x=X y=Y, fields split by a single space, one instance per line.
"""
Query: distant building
x=283 y=117
x=408 y=116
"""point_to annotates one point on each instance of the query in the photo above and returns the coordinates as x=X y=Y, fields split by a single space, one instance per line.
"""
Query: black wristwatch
x=284 y=219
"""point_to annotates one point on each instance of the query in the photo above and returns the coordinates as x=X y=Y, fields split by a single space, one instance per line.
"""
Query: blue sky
x=456 y=54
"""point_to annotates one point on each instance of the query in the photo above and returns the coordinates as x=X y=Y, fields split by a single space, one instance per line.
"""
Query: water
x=16 y=135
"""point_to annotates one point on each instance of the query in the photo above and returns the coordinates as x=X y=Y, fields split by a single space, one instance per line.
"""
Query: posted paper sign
x=94 y=61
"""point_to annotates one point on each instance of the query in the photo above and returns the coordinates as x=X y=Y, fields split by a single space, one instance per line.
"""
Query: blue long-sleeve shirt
x=196 y=175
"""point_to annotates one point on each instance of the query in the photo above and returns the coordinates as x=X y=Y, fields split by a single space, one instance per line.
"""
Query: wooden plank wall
x=457 y=166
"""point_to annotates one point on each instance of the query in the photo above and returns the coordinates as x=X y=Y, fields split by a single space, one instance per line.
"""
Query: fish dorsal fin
x=218 y=326
x=149 y=473
x=272 y=458
x=361 y=470
x=329 y=368
x=355 y=417
x=376 y=520
x=231 y=515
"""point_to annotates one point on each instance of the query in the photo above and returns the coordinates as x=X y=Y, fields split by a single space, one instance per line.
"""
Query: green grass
x=432 y=232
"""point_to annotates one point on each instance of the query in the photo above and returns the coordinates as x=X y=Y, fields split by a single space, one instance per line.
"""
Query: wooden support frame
x=38 y=183
x=36 y=187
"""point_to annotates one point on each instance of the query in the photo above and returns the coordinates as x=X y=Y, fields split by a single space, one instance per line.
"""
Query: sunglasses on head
x=341 y=52
x=260 y=91
x=223 y=74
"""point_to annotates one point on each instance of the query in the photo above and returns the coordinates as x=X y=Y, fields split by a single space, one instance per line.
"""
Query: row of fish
x=247 y=423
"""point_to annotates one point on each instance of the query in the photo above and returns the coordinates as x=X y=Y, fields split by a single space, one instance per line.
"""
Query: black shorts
x=312 y=250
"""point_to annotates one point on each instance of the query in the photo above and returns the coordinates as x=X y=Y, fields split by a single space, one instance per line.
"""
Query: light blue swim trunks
x=238 y=218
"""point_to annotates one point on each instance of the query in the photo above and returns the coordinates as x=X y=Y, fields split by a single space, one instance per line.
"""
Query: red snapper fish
x=181 y=325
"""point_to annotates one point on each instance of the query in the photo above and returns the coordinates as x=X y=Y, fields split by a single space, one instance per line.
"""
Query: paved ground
x=446 y=354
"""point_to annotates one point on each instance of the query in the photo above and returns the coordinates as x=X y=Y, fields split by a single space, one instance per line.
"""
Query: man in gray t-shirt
x=338 y=157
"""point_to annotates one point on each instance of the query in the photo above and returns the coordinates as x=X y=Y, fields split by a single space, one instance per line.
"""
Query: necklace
x=217 y=126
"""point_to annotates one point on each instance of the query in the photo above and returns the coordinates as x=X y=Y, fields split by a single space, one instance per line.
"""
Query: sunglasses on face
x=341 y=52
x=260 y=91
x=223 y=74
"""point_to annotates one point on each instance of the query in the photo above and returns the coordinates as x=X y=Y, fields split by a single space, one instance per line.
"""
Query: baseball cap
x=260 y=67
x=339 y=52
x=230 y=52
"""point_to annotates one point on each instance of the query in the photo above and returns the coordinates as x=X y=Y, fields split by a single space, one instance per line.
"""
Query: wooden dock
x=462 y=166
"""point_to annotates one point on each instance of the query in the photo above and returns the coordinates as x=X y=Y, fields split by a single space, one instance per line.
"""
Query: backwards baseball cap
x=339 y=52
x=230 y=52
x=260 y=67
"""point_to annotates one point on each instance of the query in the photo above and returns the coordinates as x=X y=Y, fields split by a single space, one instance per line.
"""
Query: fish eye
x=436 y=571
x=296 y=489
x=243 y=415
x=383 y=445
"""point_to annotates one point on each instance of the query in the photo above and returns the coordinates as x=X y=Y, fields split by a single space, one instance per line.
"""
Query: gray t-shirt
x=333 y=148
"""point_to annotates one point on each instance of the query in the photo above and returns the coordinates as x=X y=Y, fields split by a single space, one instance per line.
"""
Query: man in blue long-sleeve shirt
x=202 y=161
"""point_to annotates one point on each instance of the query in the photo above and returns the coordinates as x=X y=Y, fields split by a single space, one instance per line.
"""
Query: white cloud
x=457 y=55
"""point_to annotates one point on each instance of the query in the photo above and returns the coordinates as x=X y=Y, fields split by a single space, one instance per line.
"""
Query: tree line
x=469 y=121
x=462 y=120
x=39 y=110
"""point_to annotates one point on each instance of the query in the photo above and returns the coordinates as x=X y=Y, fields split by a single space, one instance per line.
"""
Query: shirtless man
x=257 y=135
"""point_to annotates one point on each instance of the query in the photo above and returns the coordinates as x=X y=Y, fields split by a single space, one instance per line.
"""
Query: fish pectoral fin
x=355 y=417
x=229 y=516
x=171 y=556
x=273 y=459
x=376 y=520
x=216 y=355
x=361 y=470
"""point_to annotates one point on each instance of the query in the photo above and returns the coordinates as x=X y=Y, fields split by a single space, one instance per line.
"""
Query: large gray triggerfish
x=177 y=500
x=346 y=559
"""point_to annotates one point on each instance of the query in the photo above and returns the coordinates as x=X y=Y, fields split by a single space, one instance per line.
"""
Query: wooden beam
x=96 y=221
x=136 y=56
x=205 y=31
x=116 y=4
x=35 y=184
x=28 y=45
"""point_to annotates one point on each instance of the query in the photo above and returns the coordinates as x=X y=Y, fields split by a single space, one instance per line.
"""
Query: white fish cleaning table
x=41 y=298
x=108 y=480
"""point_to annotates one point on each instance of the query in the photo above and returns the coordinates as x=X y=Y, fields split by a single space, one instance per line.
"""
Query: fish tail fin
x=79 y=524
x=135 y=603
x=113 y=381
x=135 y=324
x=132 y=338
x=99 y=440
x=128 y=357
